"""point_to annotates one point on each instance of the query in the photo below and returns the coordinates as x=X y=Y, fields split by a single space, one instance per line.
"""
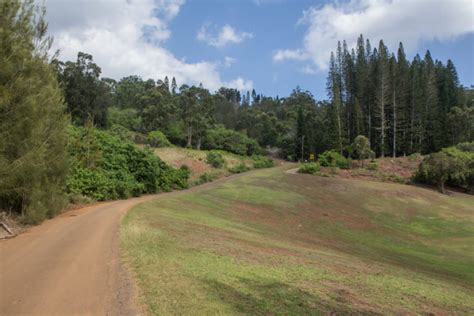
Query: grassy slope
x=269 y=242
x=196 y=161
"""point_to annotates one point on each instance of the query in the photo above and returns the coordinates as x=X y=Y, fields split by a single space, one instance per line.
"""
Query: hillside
x=196 y=161
x=399 y=169
x=275 y=243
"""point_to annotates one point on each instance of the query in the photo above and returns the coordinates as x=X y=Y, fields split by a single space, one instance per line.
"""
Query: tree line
x=402 y=107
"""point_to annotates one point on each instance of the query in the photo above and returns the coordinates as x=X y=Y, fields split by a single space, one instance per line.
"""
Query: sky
x=271 y=46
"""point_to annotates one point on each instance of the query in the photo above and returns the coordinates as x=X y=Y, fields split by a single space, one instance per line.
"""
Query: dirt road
x=69 y=265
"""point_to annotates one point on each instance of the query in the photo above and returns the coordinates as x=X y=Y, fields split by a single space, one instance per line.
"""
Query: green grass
x=271 y=243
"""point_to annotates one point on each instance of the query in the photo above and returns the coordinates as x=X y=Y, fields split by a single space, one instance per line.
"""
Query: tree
x=437 y=168
x=87 y=97
x=174 y=86
x=33 y=159
x=361 y=147
x=383 y=94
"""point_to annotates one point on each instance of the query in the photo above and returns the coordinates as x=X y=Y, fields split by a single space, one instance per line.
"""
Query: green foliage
x=87 y=96
x=158 y=139
x=453 y=165
x=215 y=159
x=361 y=148
x=33 y=157
x=231 y=141
x=332 y=158
x=121 y=132
x=240 y=168
x=437 y=168
x=373 y=165
x=127 y=118
x=310 y=167
x=105 y=167
x=205 y=177
x=414 y=157
x=262 y=162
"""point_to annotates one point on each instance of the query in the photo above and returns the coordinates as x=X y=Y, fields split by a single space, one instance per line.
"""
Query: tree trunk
x=382 y=120
x=394 y=150
x=441 y=187
x=190 y=136
x=198 y=146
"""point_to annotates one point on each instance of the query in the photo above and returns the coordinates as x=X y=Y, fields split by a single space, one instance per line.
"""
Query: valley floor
x=276 y=243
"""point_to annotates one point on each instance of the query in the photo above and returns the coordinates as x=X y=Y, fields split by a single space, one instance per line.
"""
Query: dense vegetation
x=104 y=167
x=42 y=163
x=400 y=107
x=453 y=165
x=33 y=158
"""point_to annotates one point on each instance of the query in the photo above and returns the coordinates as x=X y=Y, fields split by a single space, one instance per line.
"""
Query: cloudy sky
x=269 y=45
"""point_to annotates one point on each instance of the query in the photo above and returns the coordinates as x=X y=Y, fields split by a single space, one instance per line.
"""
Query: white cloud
x=227 y=35
x=393 y=21
x=229 y=61
x=284 y=54
x=125 y=38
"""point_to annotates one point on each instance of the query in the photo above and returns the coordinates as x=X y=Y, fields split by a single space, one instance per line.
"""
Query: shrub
x=122 y=133
x=372 y=166
x=309 y=167
x=262 y=162
x=231 y=141
x=453 y=165
x=157 y=139
x=414 y=157
x=436 y=169
x=215 y=159
x=239 y=168
x=205 y=177
x=332 y=158
x=105 y=167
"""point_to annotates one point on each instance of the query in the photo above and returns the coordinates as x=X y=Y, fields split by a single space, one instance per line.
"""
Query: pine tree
x=33 y=162
x=166 y=83
x=402 y=86
x=333 y=90
x=174 y=86
x=383 y=95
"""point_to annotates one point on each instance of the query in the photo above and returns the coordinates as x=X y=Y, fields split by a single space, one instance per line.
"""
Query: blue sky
x=269 y=45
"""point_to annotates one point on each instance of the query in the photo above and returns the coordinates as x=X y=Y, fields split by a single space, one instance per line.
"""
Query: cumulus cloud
x=125 y=38
x=226 y=35
x=391 y=20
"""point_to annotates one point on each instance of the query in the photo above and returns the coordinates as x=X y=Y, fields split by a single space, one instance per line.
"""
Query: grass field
x=273 y=243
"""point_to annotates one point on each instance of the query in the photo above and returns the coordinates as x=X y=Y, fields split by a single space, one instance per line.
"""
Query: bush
x=231 y=141
x=332 y=158
x=122 y=133
x=215 y=159
x=205 y=177
x=239 y=168
x=105 y=167
x=262 y=162
x=157 y=139
x=453 y=165
x=310 y=167
x=414 y=157
x=372 y=166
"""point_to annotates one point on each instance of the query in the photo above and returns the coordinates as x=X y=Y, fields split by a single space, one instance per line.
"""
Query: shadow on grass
x=275 y=298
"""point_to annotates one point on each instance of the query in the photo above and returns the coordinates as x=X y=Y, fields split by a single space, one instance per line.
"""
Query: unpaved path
x=71 y=265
